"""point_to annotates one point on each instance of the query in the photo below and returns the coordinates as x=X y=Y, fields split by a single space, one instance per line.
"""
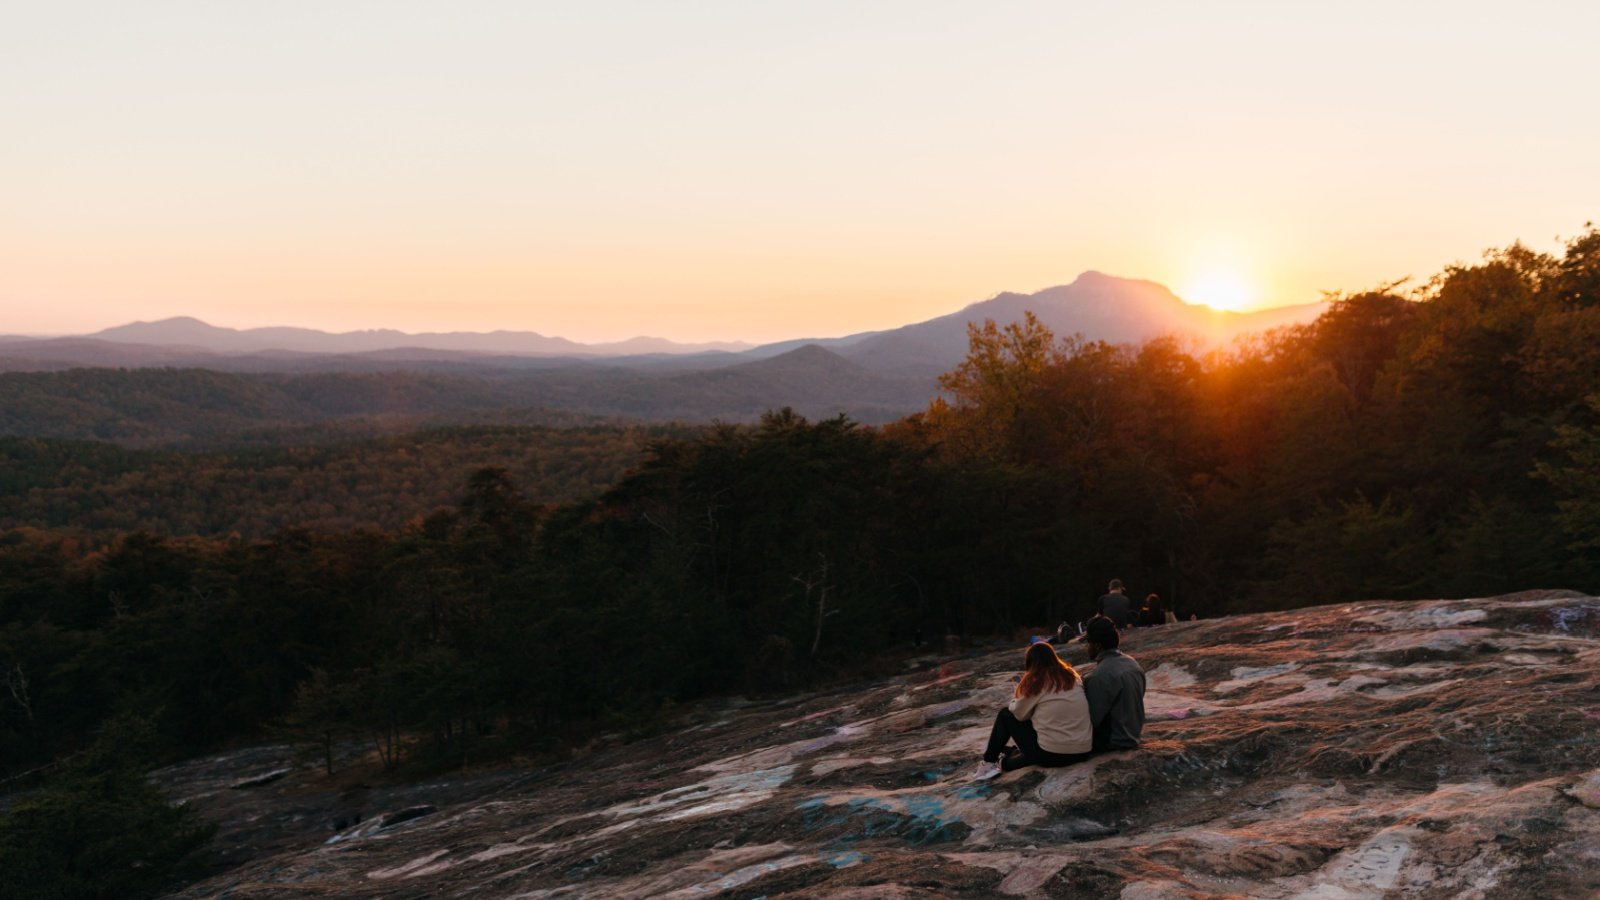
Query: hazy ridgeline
x=1446 y=444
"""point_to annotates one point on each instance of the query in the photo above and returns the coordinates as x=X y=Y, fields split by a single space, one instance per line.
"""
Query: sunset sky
x=758 y=171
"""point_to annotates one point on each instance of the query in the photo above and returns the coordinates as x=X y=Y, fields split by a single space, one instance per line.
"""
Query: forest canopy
x=332 y=485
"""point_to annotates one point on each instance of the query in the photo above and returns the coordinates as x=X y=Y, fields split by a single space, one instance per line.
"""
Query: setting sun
x=1220 y=290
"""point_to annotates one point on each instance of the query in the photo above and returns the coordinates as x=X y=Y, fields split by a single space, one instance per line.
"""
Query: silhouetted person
x=1154 y=612
x=1115 y=689
x=1115 y=605
x=1047 y=718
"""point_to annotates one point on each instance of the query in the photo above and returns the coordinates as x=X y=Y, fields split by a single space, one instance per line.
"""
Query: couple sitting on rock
x=1056 y=718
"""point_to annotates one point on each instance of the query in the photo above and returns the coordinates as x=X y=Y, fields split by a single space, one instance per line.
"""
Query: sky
x=765 y=170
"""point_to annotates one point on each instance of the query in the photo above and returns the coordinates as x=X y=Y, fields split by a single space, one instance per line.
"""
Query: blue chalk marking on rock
x=917 y=819
x=925 y=807
x=816 y=814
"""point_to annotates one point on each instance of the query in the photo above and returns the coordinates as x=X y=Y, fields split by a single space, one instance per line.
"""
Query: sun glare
x=1220 y=290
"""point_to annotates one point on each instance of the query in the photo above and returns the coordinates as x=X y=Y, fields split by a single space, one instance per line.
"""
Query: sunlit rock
x=1432 y=748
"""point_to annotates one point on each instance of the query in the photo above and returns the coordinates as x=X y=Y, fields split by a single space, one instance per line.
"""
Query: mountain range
x=1098 y=306
x=871 y=376
x=190 y=332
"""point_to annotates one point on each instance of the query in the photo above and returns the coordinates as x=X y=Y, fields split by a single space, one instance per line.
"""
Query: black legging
x=1008 y=728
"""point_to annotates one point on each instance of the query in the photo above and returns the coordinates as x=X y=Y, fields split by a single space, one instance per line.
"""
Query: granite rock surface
x=1446 y=748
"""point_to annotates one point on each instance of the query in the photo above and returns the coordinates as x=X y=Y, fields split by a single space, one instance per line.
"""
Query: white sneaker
x=986 y=771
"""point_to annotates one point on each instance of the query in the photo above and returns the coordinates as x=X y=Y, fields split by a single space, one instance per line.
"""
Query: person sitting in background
x=1115 y=689
x=1115 y=604
x=1154 y=612
x=1047 y=718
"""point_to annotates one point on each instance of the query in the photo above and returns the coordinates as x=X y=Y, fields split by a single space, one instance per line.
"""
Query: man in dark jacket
x=1115 y=605
x=1115 y=689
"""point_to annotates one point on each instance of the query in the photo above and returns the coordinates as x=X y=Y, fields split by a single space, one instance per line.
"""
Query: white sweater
x=1061 y=719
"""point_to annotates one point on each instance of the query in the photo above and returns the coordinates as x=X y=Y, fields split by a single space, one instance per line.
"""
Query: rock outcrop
x=1431 y=748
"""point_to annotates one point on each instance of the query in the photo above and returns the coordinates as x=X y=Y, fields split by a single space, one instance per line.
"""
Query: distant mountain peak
x=179 y=320
x=188 y=323
x=1094 y=279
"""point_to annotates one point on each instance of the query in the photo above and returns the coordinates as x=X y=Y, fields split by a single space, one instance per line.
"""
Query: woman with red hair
x=1047 y=718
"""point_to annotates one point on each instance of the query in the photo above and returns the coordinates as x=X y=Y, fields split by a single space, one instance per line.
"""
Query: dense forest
x=193 y=408
x=1441 y=442
x=199 y=407
x=95 y=487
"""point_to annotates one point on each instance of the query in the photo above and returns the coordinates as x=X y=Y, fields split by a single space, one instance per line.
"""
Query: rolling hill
x=152 y=407
x=191 y=332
